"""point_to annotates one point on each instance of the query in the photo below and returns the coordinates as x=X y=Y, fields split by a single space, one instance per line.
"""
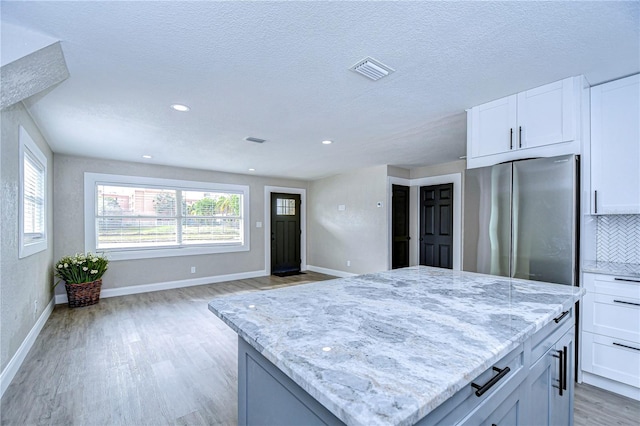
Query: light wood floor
x=162 y=359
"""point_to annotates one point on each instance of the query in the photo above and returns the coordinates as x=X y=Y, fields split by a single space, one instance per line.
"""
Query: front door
x=285 y=233
x=400 y=226
x=436 y=225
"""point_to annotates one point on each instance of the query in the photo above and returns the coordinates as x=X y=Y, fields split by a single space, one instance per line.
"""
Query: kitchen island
x=413 y=345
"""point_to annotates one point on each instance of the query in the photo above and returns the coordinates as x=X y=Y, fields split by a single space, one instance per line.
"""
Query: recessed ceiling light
x=146 y=156
x=252 y=170
x=327 y=142
x=180 y=107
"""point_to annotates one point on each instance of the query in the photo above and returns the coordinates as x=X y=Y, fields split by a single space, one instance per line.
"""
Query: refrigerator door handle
x=515 y=211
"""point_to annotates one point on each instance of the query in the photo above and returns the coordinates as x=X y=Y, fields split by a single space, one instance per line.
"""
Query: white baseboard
x=16 y=361
x=334 y=272
x=611 y=385
x=168 y=285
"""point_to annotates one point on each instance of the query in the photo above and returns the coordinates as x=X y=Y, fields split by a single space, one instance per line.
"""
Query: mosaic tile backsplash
x=618 y=238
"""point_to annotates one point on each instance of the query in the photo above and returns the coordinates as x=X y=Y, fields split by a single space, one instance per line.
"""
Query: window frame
x=91 y=180
x=28 y=147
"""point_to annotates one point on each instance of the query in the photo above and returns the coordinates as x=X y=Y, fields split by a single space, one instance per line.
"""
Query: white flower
x=84 y=268
x=66 y=265
x=60 y=266
x=94 y=271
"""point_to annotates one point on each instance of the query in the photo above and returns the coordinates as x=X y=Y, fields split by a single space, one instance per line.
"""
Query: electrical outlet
x=348 y=263
x=193 y=269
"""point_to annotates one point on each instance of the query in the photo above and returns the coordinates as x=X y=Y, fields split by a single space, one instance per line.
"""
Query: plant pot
x=83 y=294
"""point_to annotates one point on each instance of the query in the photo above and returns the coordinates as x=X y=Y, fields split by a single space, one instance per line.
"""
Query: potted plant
x=82 y=274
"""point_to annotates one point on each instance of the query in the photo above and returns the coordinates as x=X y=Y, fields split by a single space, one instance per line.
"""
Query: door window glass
x=285 y=207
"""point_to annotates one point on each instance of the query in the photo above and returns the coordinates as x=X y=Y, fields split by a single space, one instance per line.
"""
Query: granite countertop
x=402 y=342
x=612 y=268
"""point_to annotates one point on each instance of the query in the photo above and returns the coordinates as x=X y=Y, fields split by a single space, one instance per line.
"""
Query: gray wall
x=69 y=219
x=360 y=232
x=439 y=169
x=22 y=281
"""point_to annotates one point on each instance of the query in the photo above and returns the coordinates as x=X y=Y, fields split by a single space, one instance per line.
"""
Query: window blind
x=33 y=198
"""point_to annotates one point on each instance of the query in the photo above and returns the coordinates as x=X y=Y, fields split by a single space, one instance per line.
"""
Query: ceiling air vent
x=256 y=140
x=372 y=69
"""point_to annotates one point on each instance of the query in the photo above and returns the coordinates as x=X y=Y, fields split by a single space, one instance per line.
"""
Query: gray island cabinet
x=416 y=345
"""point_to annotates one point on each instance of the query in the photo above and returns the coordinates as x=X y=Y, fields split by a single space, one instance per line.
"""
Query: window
x=133 y=217
x=33 y=189
x=285 y=207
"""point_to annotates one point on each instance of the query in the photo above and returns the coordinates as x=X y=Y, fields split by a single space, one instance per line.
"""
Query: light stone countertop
x=402 y=342
x=612 y=268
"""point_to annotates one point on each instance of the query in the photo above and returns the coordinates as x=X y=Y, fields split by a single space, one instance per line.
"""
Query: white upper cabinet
x=493 y=124
x=615 y=147
x=540 y=122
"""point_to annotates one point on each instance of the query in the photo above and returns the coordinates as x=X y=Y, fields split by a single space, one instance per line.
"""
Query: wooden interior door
x=436 y=225
x=400 y=226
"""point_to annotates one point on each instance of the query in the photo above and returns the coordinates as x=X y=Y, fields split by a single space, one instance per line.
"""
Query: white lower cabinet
x=612 y=358
x=610 y=355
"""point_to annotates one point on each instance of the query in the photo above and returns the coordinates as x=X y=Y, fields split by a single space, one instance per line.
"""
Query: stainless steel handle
x=626 y=303
x=595 y=202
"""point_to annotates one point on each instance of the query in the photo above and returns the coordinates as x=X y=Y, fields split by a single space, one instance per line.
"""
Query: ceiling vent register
x=256 y=140
x=372 y=68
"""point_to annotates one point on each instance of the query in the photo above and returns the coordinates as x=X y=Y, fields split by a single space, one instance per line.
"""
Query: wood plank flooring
x=595 y=406
x=163 y=359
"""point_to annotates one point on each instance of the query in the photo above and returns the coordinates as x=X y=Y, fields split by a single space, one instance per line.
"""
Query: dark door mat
x=288 y=273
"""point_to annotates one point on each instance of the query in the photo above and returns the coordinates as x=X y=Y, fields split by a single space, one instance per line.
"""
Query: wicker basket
x=83 y=294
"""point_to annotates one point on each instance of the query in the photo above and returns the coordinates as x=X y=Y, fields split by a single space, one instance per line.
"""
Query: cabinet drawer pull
x=481 y=389
x=565 y=369
x=627 y=280
x=520 y=137
x=625 y=346
x=562 y=370
x=595 y=202
x=626 y=303
x=511 y=139
x=564 y=314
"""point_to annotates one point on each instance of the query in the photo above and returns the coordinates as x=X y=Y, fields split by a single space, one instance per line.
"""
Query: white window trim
x=27 y=249
x=91 y=204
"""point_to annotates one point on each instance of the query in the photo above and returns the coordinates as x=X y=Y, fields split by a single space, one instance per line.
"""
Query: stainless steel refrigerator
x=521 y=219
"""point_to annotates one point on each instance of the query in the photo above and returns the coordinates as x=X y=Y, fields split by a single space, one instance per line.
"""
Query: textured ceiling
x=280 y=71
